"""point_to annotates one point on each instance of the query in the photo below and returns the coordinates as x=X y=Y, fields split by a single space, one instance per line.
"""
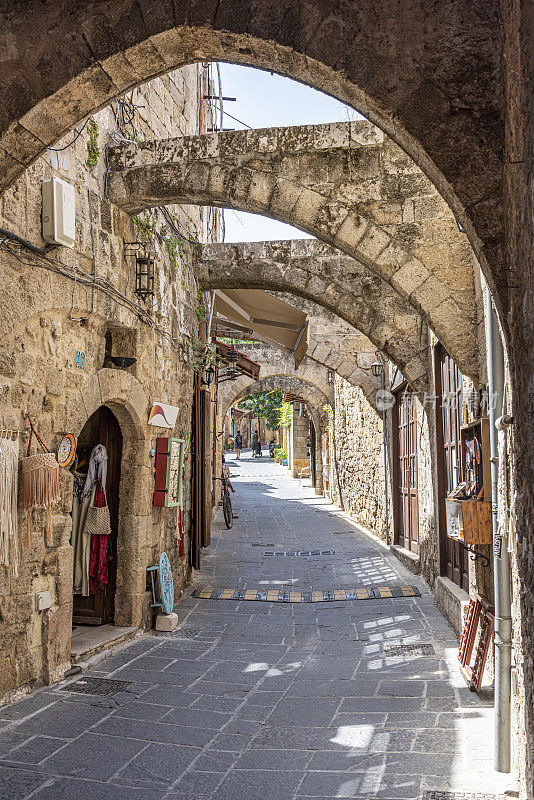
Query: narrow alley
x=262 y=700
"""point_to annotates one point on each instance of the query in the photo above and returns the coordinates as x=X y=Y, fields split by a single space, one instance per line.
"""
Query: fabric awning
x=270 y=319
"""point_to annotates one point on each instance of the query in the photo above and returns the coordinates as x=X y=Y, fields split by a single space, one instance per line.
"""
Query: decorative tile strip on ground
x=317 y=596
x=435 y=795
x=104 y=687
x=301 y=553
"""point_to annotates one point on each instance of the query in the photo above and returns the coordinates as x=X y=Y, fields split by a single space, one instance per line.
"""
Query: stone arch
x=344 y=183
x=60 y=66
x=123 y=394
x=303 y=269
x=312 y=396
x=321 y=354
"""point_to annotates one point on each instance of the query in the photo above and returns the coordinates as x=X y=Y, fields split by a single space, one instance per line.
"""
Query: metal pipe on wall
x=385 y=449
x=501 y=556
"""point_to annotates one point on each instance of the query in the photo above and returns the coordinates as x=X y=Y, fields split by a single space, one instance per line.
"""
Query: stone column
x=299 y=440
x=319 y=488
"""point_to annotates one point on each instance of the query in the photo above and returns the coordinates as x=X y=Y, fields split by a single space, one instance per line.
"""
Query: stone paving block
x=160 y=695
x=351 y=761
x=141 y=710
x=196 y=785
x=68 y=789
x=35 y=750
x=158 y=766
x=93 y=756
x=220 y=704
x=336 y=784
x=438 y=741
x=274 y=759
x=300 y=712
x=197 y=717
x=150 y=731
x=28 y=705
x=63 y=719
x=18 y=783
x=258 y=784
x=10 y=739
x=235 y=742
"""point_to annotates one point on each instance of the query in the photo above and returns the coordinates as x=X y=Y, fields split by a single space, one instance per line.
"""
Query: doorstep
x=451 y=601
x=410 y=560
x=88 y=640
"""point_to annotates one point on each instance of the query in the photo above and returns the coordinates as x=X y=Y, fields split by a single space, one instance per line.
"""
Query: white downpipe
x=501 y=557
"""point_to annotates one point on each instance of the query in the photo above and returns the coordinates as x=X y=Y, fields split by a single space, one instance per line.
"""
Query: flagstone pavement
x=266 y=701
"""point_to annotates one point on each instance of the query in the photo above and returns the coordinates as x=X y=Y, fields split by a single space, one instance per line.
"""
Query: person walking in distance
x=255 y=440
x=238 y=444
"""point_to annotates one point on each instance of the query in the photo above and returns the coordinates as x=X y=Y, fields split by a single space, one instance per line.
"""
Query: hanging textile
x=98 y=564
x=40 y=482
x=9 y=467
x=91 y=525
x=80 y=539
x=98 y=469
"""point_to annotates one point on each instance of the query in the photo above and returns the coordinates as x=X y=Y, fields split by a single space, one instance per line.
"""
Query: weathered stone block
x=166 y=622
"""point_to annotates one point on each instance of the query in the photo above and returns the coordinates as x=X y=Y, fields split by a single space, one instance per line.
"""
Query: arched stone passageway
x=312 y=396
x=277 y=373
x=331 y=282
x=344 y=183
x=406 y=75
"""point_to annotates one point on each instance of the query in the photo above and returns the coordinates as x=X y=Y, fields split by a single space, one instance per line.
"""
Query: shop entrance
x=95 y=603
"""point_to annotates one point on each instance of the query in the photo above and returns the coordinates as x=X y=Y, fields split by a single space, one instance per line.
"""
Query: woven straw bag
x=97 y=521
x=40 y=478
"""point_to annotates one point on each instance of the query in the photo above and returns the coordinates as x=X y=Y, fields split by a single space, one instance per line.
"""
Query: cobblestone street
x=268 y=701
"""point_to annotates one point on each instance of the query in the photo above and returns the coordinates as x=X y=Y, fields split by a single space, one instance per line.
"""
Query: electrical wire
x=227 y=114
x=73 y=273
x=60 y=149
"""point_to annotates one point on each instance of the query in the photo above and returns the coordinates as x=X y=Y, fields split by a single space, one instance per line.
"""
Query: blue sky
x=266 y=101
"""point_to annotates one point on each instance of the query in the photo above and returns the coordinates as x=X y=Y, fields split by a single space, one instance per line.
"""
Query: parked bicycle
x=225 y=500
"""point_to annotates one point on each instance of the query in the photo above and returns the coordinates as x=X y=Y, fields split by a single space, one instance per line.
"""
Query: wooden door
x=201 y=473
x=454 y=557
x=102 y=428
x=406 y=503
x=196 y=477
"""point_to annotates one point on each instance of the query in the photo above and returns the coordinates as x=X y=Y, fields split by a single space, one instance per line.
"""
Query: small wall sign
x=79 y=361
x=163 y=416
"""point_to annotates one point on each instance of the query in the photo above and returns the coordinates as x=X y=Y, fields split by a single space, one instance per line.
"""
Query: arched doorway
x=95 y=603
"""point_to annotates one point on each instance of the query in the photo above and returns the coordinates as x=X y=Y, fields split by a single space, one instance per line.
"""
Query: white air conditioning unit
x=59 y=212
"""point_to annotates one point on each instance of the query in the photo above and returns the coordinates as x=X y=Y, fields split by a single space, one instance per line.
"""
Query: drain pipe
x=501 y=556
x=385 y=451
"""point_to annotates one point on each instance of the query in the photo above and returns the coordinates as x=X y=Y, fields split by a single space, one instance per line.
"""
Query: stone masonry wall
x=358 y=453
x=45 y=318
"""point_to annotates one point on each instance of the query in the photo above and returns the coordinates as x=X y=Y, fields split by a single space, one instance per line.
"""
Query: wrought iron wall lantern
x=144 y=269
x=330 y=376
x=209 y=374
x=377 y=368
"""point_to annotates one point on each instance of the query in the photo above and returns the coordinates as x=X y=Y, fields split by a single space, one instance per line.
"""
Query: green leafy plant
x=93 y=150
x=286 y=414
x=327 y=408
x=201 y=354
x=201 y=305
x=280 y=453
x=266 y=405
x=145 y=228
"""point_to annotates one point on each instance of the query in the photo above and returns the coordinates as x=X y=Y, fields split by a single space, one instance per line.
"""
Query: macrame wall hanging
x=9 y=469
x=40 y=484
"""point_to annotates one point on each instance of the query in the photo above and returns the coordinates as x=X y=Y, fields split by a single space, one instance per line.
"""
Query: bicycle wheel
x=227 y=509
